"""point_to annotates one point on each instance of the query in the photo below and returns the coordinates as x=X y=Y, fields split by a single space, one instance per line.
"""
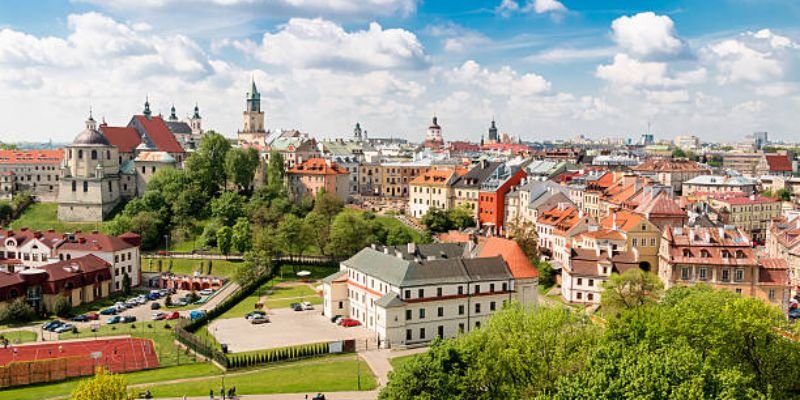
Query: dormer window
x=687 y=253
x=726 y=254
x=739 y=254
x=705 y=254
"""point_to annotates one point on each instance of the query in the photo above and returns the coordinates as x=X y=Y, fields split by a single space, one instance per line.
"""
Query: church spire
x=147 y=113
x=196 y=112
x=172 y=115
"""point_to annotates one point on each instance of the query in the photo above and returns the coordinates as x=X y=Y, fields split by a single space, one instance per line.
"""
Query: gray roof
x=91 y=137
x=719 y=180
x=477 y=175
x=390 y=300
x=334 y=276
x=424 y=251
x=179 y=127
x=487 y=269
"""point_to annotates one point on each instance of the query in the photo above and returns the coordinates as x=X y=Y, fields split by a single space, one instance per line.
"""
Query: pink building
x=313 y=175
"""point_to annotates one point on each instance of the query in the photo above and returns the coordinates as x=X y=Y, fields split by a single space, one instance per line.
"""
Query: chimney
x=580 y=214
x=614 y=221
x=708 y=236
x=563 y=206
x=597 y=250
x=610 y=250
x=721 y=233
x=412 y=248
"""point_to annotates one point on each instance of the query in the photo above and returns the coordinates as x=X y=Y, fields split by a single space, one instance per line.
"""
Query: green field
x=185 y=266
x=44 y=216
x=397 y=362
x=15 y=337
x=329 y=374
x=150 y=376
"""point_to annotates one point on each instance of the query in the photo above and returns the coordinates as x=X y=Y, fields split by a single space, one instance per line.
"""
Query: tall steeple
x=146 y=111
x=91 y=124
x=357 y=135
x=196 y=112
x=493 y=132
x=172 y=116
x=253 y=98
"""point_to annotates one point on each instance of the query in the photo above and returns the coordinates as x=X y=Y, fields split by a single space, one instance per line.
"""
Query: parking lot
x=286 y=328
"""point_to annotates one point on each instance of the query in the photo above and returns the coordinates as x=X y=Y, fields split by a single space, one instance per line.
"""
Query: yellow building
x=641 y=236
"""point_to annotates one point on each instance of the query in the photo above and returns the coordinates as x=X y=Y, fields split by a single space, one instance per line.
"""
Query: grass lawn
x=19 y=336
x=329 y=374
x=397 y=362
x=154 y=375
x=185 y=266
x=248 y=304
x=44 y=216
x=288 y=272
x=284 y=303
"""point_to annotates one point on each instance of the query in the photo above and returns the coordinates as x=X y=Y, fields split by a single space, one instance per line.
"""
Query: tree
x=784 y=195
x=5 y=211
x=20 y=311
x=437 y=220
x=349 y=234
x=275 y=171
x=319 y=230
x=227 y=208
x=61 y=307
x=546 y=275
x=678 y=153
x=524 y=234
x=126 y=284
x=461 y=217
x=293 y=234
x=240 y=167
x=103 y=385
x=398 y=235
x=241 y=235
x=148 y=225
x=206 y=166
x=633 y=288
x=225 y=239
x=208 y=238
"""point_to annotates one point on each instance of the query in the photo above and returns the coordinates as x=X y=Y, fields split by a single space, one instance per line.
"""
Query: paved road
x=378 y=361
x=370 y=395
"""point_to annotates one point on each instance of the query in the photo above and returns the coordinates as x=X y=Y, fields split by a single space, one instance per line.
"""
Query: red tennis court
x=117 y=355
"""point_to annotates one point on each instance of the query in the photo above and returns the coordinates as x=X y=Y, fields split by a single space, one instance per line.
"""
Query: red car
x=93 y=316
x=348 y=322
x=173 y=315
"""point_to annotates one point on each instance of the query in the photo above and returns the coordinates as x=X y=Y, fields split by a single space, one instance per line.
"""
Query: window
x=653 y=242
x=461 y=328
x=685 y=272
x=477 y=308
x=702 y=273
x=94 y=154
x=477 y=324
x=108 y=154
x=477 y=288
x=440 y=311
x=85 y=186
x=408 y=315
x=491 y=287
x=461 y=309
x=408 y=334
x=422 y=333
x=687 y=253
x=590 y=296
x=580 y=281
x=80 y=154
x=110 y=189
x=408 y=294
x=505 y=287
x=738 y=291
x=726 y=275
x=421 y=293
x=492 y=306
x=739 y=275
x=74 y=186
x=440 y=331
x=421 y=313
x=438 y=292
x=739 y=254
x=772 y=294
x=634 y=242
x=705 y=254
x=591 y=282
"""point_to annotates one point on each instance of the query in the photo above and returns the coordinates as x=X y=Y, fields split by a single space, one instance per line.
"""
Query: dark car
x=51 y=324
x=794 y=313
x=109 y=311
x=128 y=318
x=296 y=306
x=155 y=306
x=335 y=317
x=80 y=318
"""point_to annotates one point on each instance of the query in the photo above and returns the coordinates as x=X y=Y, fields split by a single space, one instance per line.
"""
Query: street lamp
x=166 y=240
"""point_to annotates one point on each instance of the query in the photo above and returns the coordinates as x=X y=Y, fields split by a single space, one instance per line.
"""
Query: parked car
x=109 y=311
x=253 y=314
x=173 y=315
x=114 y=320
x=79 y=318
x=50 y=325
x=196 y=314
x=349 y=322
x=92 y=316
x=155 y=305
x=336 y=318
x=307 y=305
x=259 y=319
x=296 y=306
x=181 y=302
x=128 y=319
x=207 y=292
x=64 y=328
x=794 y=313
x=158 y=316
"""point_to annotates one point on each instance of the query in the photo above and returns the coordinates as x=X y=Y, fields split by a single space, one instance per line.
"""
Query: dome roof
x=91 y=137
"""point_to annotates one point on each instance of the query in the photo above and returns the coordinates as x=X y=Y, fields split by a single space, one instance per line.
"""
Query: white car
x=206 y=292
x=157 y=316
x=307 y=305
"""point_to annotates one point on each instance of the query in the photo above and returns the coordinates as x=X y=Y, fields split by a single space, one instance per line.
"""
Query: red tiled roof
x=125 y=139
x=85 y=264
x=49 y=238
x=159 y=133
x=318 y=166
x=778 y=163
x=453 y=237
x=662 y=204
x=95 y=242
x=666 y=165
x=625 y=220
x=518 y=263
x=773 y=272
x=31 y=156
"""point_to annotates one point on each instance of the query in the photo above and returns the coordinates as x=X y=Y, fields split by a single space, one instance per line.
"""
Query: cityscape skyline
x=541 y=69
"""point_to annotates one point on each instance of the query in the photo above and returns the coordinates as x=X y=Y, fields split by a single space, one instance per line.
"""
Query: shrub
x=61 y=307
x=20 y=311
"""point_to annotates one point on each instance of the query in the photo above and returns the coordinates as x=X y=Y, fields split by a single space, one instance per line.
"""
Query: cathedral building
x=253 y=132
x=434 y=140
x=89 y=186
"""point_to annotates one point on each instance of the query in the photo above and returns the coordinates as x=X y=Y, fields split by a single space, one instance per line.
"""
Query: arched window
x=74 y=186
x=80 y=154
x=739 y=254
x=108 y=154
x=687 y=253
x=705 y=254
x=726 y=254
x=94 y=154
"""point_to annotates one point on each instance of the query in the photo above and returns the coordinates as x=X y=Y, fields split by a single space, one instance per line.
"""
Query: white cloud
x=554 y=7
x=322 y=44
x=503 y=82
x=775 y=41
x=456 y=38
x=647 y=35
x=738 y=62
x=566 y=55
x=627 y=72
x=507 y=7
x=545 y=6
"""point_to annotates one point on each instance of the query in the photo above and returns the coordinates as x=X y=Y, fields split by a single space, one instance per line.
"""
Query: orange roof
x=518 y=263
x=31 y=156
x=563 y=219
x=668 y=165
x=604 y=234
x=625 y=220
x=453 y=237
x=318 y=166
x=433 y=178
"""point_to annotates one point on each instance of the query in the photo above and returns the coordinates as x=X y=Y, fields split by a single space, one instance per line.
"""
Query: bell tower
x=253 y=131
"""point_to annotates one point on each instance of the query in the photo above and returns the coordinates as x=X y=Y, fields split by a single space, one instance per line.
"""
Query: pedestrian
x=222 y=392
x=234 y=391
x=211 y=394
x=184 y=397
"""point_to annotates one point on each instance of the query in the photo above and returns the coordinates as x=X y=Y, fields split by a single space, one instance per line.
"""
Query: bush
x=168 y=301
x=20 y=311
x=61 y=307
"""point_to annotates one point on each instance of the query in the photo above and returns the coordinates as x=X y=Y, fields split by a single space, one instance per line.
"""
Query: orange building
x=308 y=178
x=492 y=195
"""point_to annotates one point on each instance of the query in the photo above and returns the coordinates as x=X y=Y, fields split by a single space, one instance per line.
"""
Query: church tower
x=493 y=138
x=357 y=134
x=253 y=131
x=434 y=139
x=89 y=185
x=196 y=122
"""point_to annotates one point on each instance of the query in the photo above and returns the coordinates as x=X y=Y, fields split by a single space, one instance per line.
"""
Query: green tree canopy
x=633 y=288
x=293 y=235
x=103 y=385
x=349 y=234
x=227 y=208
x=242 y=240
x=225 y=239
x=240 y=167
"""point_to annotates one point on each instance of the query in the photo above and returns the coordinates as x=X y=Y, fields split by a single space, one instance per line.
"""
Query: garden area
x=188 y=266
x=44 y=216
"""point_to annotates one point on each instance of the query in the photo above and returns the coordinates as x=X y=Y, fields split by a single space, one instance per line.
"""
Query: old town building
x=315 y=175
x=35 y=170
x=671 y=172
x=432 y=189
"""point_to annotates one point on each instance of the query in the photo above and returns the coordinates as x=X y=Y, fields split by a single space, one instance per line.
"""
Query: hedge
x=261 y=357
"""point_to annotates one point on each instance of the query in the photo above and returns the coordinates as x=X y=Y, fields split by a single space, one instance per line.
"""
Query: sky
x=543 y=69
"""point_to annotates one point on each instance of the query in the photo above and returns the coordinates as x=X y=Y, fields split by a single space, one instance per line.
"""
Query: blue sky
x=543 y=68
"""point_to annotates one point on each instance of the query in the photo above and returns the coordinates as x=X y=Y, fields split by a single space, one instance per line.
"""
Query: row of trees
x=437 y=220
x=697 y=342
